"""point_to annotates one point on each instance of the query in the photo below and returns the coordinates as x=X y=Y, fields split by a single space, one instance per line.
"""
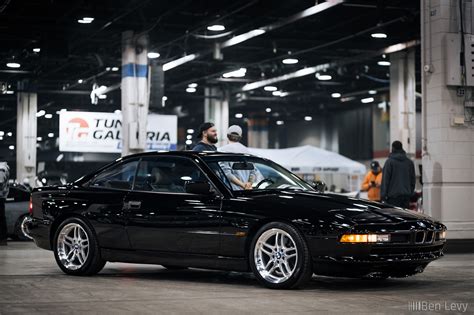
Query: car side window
x=167 y=174
x=119 y=176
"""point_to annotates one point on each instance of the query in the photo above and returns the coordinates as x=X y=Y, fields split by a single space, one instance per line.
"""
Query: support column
x=448 y=140
x=216 y=110
x=403 y=100
x=135 y=92
x=26 y=135
x=258 y=133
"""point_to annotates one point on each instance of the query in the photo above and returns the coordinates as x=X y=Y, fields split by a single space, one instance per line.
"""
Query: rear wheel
x=21 y=229
x=279 y=257
x=76 y=248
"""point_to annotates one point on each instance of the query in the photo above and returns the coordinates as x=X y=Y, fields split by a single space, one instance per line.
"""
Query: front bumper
x=40 y=231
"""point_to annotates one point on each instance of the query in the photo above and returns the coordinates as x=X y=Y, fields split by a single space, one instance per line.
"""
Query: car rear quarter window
x=119 y=176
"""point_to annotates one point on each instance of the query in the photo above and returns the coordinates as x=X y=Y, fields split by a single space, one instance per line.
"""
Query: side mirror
x=198 y=188
x=320 y=186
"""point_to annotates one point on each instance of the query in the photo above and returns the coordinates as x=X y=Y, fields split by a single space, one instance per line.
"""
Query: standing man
x=234 y=135
x=398 y=179
x=373 y=181
x=208 y=135
x=4 y=176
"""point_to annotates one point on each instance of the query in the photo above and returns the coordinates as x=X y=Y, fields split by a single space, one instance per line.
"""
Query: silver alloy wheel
x=275 y=255
x=24 y=227
x=73 y=246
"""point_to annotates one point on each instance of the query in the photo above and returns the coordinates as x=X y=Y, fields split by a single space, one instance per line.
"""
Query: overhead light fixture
x=268 y=110
x=12 y=147
x=2 y=133
x=115 y=68
x=85 y=20
x=190 y=90
x=372 y=92
x=323 y=77
x=242 y=38
x=236 y=73
x=378 y=35
x=40 y=113
x=189 y=137
x=270 y=88
x=36 y=50
x=216 y=28
x=290 y=61
x=189 y=142
x=9 y=92
x=13 y=65
x=50 y=135
x=39 y=139
x=239 y=115
x=178 y=62
x=62 y=110
x=367 y=100
x=48 y=116
x=191 y=131
x=9 y=133
x=308 y=118
x=108 y=69
x=192 y=85
x=117 y=111
x=336 y=95
x=383 y=63
x=280 y=122
x=1 y=138
x=102 y=96
x=153 y=55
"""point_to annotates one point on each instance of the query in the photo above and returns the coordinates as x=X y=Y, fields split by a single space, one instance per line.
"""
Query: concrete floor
x=30 y=282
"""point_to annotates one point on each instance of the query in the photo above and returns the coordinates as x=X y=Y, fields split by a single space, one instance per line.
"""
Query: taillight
x=30 y=208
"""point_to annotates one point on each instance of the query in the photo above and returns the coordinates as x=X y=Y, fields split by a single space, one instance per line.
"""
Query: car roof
x=183 y=154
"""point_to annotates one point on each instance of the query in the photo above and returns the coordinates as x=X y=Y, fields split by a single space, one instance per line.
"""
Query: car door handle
x=133 y=204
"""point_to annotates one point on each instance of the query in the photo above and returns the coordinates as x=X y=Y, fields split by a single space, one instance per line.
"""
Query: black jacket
x=398 y=178
x=201 y=146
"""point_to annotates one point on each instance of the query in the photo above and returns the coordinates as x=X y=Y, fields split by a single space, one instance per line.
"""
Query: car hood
x=356 y=210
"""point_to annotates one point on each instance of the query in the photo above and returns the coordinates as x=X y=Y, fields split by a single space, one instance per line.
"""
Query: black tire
x=170 y=267
x=18 y=232
x=94 y=262
x=303 y=270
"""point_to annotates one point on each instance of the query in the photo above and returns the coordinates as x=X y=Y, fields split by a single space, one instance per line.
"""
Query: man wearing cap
x=208 y=134
x=234 y=134
x=373 y=181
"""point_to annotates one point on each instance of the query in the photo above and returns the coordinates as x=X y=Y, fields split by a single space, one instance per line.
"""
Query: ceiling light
x=178 y=62
x=280 y=122
x=191 y=90
x=2 y=133
x=12 y=147
x=9 y=133
x=9 y=92
x=379 y=35
x=276 y=93
x=36 y=50
x=367 y=100
x=239 y=115
x=117 y=111
x=48 y=116
x=85 y=20
x=115 y=68
x=40 y=113
x=242 y=37
x=153 y=55
x=190 y=131
x=1 y=138
x=323 y=77
x=216 y=28
x=270 y=88
x=80 y=81
x=102 y=96
x=268 y=110
x=192 y=85
x=39 y=139
x=236 y=73
x=107 y=69
x=383 y=63
x=189 y=137
x=290 y=61
x=336 y=95
x=13 y=65
x=372 y=92
x=308 y=118
x=189 y=142
x=50 y=135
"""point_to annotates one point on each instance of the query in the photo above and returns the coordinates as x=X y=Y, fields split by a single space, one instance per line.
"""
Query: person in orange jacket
x=373 y=181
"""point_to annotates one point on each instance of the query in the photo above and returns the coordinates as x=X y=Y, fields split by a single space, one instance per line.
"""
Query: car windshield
x=251 y=173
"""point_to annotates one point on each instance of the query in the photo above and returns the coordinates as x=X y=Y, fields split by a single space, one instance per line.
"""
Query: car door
x=101 y=199
x=162 y=216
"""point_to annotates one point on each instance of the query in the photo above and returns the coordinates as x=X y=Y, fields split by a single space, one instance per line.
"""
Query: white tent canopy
x=309 y=159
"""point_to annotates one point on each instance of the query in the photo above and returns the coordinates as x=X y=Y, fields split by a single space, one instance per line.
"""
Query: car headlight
x=365 y=238
x=442 y=235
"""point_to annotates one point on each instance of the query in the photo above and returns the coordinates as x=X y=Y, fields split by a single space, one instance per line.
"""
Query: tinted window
x=167 y=174
x=118 y=176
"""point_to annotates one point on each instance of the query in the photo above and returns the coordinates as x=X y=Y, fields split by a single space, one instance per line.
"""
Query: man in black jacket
x=208 y=134
x=398 y=178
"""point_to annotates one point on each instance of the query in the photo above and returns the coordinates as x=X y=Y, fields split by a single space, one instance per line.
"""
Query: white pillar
x=135 y=92
x=448 y=143
x=26 y=136
x=216 y=110
x=403 y=100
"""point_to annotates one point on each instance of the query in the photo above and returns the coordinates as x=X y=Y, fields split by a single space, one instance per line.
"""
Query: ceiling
x=70 y=51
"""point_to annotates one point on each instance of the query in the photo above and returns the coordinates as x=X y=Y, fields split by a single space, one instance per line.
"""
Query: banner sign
x=101 y=132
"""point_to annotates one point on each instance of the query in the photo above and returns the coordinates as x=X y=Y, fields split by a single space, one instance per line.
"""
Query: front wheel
x=76 y=248
x=279 y=257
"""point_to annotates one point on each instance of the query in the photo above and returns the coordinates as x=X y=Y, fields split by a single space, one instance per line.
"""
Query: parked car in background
x=50 y=178
x=16 y=212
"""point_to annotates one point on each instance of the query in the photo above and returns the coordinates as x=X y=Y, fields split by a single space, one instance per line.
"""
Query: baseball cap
x=203 y=128
x=234 y=130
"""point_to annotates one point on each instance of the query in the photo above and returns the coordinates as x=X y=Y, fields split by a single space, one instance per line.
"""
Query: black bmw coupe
x=226 y=211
